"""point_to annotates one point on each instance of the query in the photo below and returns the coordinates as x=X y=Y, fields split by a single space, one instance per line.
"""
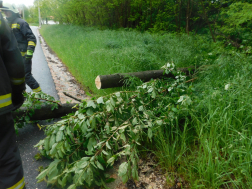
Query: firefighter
x=12 y=84
x=26 y=41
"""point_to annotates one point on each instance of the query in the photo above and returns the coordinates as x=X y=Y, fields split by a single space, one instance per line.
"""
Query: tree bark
x=187 y=17
x=46 y=112
x=209 y=25
x=118 y=80
x=179 y=16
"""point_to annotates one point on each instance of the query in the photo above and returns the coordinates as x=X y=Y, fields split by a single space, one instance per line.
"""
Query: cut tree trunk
x=118 y=80
x=46 y=112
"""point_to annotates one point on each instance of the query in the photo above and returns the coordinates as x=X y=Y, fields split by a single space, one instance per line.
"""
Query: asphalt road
x=30 y=135
x=40 y=69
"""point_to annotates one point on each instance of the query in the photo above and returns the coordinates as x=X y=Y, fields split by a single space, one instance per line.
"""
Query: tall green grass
x=211 y=143
x=89 y=52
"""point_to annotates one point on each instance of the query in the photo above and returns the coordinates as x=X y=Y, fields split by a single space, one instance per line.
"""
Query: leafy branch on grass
x=84 y=145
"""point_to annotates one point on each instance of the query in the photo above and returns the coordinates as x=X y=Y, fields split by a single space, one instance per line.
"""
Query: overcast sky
x=18 y=2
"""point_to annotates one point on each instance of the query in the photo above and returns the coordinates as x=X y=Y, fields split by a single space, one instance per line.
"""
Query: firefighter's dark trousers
x=11 y=170
x=29 y=79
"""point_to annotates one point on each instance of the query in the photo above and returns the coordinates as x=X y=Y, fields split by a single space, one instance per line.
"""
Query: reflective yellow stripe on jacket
x=17 y=81
x=36 y=90
x=23 y=53
x=15 y=26
x=19 y=185
x=5 y=100
x=31 y=43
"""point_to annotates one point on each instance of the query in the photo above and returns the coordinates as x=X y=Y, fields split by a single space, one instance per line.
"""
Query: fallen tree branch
x=191 y=80
x=77 y=99
x=118 y=80
x=46 y=112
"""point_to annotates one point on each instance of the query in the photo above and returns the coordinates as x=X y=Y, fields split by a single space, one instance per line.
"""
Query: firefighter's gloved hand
x=29 y=54
x=17 y=99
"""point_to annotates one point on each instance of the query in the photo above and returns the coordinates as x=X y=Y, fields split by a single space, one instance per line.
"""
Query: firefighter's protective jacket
x=12 y=74
x=23 y=33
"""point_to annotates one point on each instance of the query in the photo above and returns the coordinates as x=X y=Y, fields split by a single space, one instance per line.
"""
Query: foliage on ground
x=87 y=143
x=201 y=131
x=209 y=142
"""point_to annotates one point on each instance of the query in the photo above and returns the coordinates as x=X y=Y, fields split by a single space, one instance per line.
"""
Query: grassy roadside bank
x=89 y=52
x=34 y=24
x=210 y=142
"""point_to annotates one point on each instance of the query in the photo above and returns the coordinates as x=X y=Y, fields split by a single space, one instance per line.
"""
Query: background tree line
x=229 y=20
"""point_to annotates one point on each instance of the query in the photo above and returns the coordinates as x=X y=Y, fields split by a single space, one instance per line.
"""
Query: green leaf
x=141 y=108
x=89 y=135
x=99 y=165
x=159 y=122
x=119 y=98
x=123 y=169
x=54 y=149
x=84 y=127
x=107 y=128
x=150 y=90
x=91 y=143
x=52 y=141
x=27 y=118
x=149 y=123
x=149 y=133
x=134 y=122
x=67 y=145
x=61 y=155
x=112 y=102
x=82 y=164
x=81 y=116
x=81 y=179
x=68 y=132
x=93 y=123
x=175 y=109
x=111 y=160
x=106 y=153
x=123 y=137
x=59 y=136
x=53 y=173
x=62 y=128
x=132 y=111
x=42 y=174
x=73 y=186
x=89 y=176
x=62 y=149
x=90 y=112
x=53 y=164
x=108 y=107
x=100 y=100
x=38 y=156
x=108 y=146
x=91 y=104
x=46 y=143
x=64 y=180
x=125 y=178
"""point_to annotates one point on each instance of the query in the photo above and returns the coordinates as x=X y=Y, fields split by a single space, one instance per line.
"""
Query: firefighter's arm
x=30 y=37
x=13 y=62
